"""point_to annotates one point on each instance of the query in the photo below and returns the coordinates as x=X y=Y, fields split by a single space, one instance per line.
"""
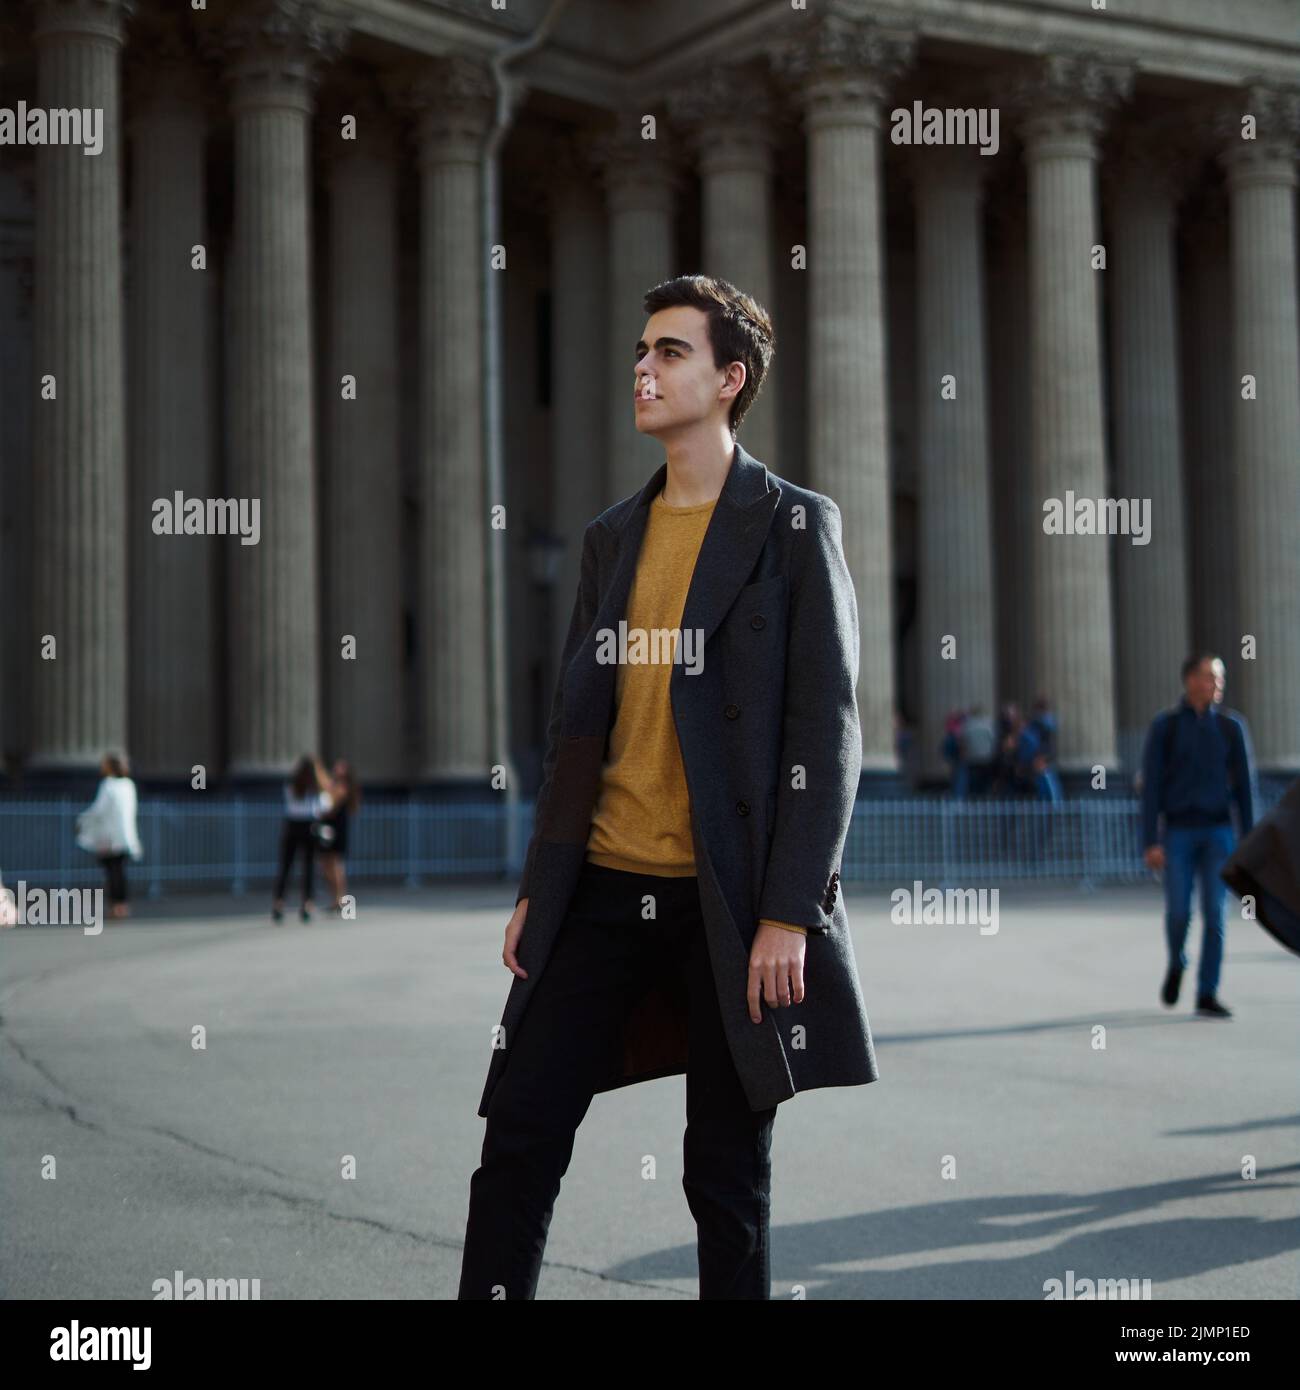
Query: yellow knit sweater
x=642 y=820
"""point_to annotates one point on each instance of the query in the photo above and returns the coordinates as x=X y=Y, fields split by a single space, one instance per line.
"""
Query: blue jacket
x=1194 y=770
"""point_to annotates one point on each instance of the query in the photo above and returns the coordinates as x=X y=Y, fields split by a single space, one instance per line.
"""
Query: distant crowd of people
x=317 y=809
x=1009 y=756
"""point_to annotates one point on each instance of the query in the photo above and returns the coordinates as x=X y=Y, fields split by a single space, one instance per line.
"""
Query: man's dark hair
x=1194 y=661
x=740 y=329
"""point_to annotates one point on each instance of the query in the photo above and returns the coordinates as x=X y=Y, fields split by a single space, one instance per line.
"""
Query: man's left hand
x=775 y=969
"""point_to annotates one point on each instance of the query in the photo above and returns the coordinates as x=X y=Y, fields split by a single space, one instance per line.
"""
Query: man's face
x=1205 y=684
x=676 y=382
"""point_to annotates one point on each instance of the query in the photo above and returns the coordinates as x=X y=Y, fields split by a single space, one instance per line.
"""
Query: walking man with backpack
x=1197 y=763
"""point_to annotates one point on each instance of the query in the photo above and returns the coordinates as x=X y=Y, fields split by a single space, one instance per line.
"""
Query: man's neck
x=1199 y=706
x=697 y=469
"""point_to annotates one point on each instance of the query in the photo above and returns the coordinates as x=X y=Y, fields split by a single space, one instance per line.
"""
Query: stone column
x=1144 y=176
x=641 y=187
x=275 y=49
x=361 y=522
x=955 y=572
x=579 y=410
x=729 y=118
x=452 y=98
x=1015 y=513
x=79 y=444
x=842 y=71
x=1064 y=100
x=1207 y=413
x=17 y=194
x=1266 y=429
x=174 y=682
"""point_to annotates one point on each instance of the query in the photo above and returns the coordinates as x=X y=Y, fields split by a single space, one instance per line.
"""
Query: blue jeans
x=1189 y=852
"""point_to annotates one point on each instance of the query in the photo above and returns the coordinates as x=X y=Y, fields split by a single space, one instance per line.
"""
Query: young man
x=1197 y=763
x=678 y=909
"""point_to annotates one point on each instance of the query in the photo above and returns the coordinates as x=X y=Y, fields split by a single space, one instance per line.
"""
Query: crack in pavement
x=295 y=1201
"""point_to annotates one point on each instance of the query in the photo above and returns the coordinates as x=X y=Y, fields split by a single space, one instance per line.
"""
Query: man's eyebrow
x=665 y=342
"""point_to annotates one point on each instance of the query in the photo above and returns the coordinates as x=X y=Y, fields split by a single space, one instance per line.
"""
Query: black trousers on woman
x=115 y=869
x=295 y=836
x=603 y=959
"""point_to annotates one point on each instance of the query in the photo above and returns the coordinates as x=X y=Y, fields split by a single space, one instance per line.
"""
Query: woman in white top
x=107 y=828
x=306 y=800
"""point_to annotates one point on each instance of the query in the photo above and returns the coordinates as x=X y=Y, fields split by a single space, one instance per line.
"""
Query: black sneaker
x=1169 y=994
x=1208 y=1005
x=305 y=915
x=277 y=915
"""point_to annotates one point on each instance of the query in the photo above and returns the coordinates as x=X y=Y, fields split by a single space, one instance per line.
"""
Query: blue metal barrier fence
x=234 y=844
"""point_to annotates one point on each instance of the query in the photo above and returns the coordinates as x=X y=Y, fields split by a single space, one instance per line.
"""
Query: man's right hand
x=514 y=930
x=1154 y=858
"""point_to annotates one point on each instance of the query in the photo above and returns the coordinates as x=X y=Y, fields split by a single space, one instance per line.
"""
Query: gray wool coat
x=772 y=749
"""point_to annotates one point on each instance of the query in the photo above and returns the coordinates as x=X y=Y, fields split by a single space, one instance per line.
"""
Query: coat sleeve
x=820 y=732
x=584 y=614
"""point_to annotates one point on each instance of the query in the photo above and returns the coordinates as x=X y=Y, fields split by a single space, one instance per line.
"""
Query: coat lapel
x=732 y=543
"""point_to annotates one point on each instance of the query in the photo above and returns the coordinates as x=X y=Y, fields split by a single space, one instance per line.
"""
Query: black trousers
x=571 y=1033
x=115 y=868
x=295 y=836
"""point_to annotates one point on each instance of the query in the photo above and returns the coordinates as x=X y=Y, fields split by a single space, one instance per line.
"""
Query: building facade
x=378 y=269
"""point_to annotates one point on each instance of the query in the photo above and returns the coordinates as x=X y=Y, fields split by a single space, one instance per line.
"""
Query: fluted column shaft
x=1151 y=601
x=274 y=638
x=1266 y=430
x=454 y=506
x=641 y=198
x=362 y=505
x=736 y=190
x=1072 y=623
x=1015 y=511
x=79 y=584
x=730 y=119
x=173 y=682
x=956 y=563
x=1208 y=395
x=579 y=409
x=842 y=74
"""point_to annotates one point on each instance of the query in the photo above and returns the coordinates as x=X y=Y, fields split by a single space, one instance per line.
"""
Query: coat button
x=835 y=877
x=742 y=808
x=732 y=711
x=758 y=621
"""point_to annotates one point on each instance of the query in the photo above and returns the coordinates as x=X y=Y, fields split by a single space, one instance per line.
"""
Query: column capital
x=100 y=19
x=637 y=173
x=1064 y=99
x=272 y=51
x=1255 y=132
x=842 y=66
x=452 y=100
x=730 y=117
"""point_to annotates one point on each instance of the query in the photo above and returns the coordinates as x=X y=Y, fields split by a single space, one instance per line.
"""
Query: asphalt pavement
x=1038 y=1111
